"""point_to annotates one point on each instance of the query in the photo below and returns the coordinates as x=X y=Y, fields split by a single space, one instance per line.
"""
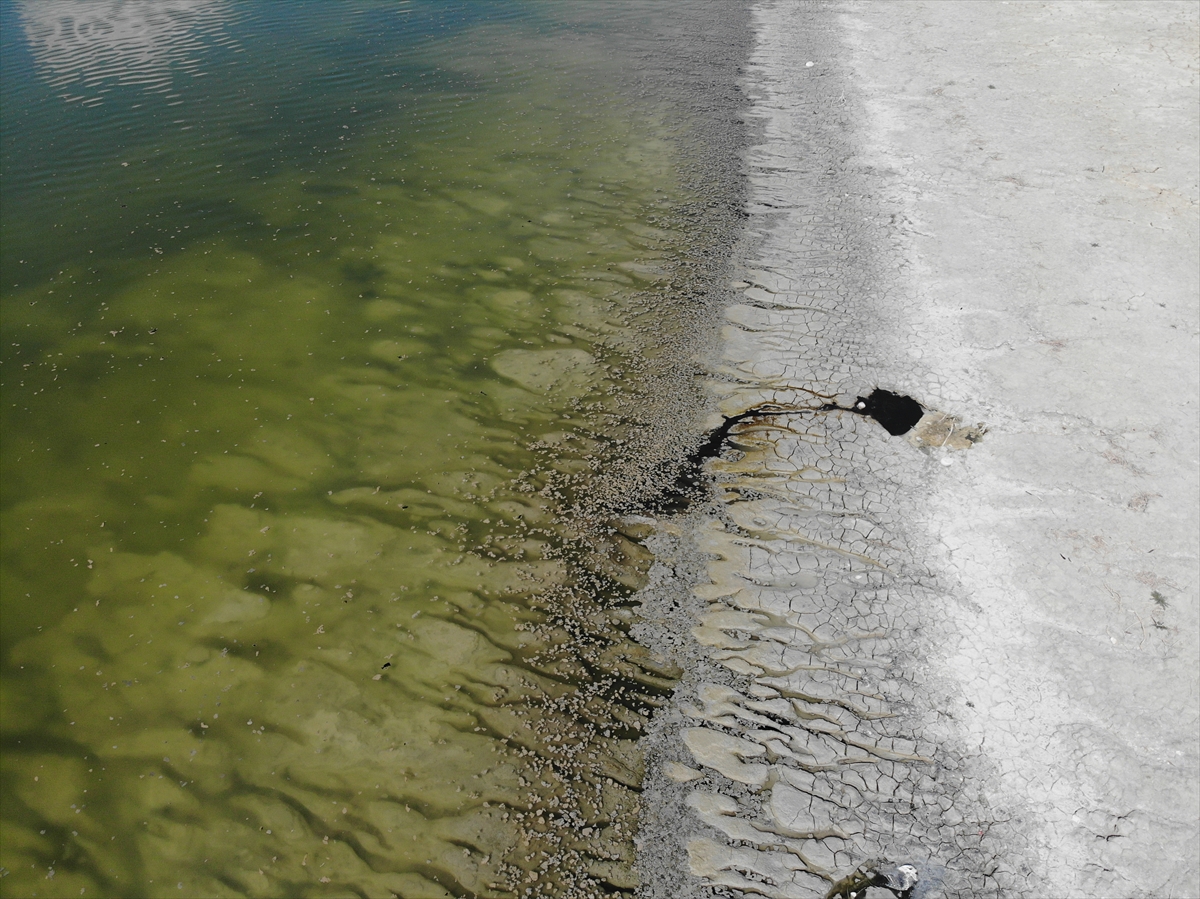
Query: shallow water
x=330 y=335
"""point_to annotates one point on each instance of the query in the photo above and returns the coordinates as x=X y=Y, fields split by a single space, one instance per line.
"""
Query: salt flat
x=975 y=649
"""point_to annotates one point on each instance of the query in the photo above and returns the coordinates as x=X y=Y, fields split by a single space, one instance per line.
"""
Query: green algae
x=301 y=593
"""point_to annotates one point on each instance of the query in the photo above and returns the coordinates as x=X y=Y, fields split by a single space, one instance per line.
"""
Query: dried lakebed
x=965 y=652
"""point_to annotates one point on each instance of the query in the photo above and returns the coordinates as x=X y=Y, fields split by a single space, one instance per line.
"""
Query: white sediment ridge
x=975 y=648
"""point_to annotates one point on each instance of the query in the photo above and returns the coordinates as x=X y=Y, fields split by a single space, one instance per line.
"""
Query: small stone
x=680 y=773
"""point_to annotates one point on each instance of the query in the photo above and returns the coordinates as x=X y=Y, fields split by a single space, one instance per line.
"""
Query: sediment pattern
x=824 y=731
x=810 y=739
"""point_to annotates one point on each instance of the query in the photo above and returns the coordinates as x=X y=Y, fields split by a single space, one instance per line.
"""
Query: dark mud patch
x=896 y=412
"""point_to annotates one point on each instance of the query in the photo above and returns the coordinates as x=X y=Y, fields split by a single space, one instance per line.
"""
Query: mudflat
x=973 y=648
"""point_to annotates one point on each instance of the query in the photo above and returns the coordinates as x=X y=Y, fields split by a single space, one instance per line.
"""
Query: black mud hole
x=897 y=413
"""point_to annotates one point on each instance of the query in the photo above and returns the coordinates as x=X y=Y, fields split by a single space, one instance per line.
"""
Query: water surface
x=331 y=333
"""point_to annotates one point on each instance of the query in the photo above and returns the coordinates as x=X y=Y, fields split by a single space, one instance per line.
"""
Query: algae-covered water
x=332 y=334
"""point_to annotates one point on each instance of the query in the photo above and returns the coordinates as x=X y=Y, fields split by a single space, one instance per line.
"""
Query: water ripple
x=82 y=48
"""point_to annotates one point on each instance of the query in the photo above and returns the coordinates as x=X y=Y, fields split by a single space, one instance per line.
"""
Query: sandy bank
x=982 y=661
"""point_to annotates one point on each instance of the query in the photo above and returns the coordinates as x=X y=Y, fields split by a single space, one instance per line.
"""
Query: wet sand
x=972 y=648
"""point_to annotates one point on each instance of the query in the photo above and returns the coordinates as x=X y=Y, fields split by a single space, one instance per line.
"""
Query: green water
x=326 y=329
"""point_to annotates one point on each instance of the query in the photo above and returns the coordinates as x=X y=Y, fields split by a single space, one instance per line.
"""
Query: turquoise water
x=327 y=332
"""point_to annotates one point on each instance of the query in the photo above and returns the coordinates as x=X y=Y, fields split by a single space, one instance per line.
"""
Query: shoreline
x=979 y=660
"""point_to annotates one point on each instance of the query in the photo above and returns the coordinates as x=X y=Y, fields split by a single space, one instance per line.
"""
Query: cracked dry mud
x=974 y=654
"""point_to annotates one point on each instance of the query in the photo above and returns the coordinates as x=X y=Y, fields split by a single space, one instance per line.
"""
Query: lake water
x=340 y=341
